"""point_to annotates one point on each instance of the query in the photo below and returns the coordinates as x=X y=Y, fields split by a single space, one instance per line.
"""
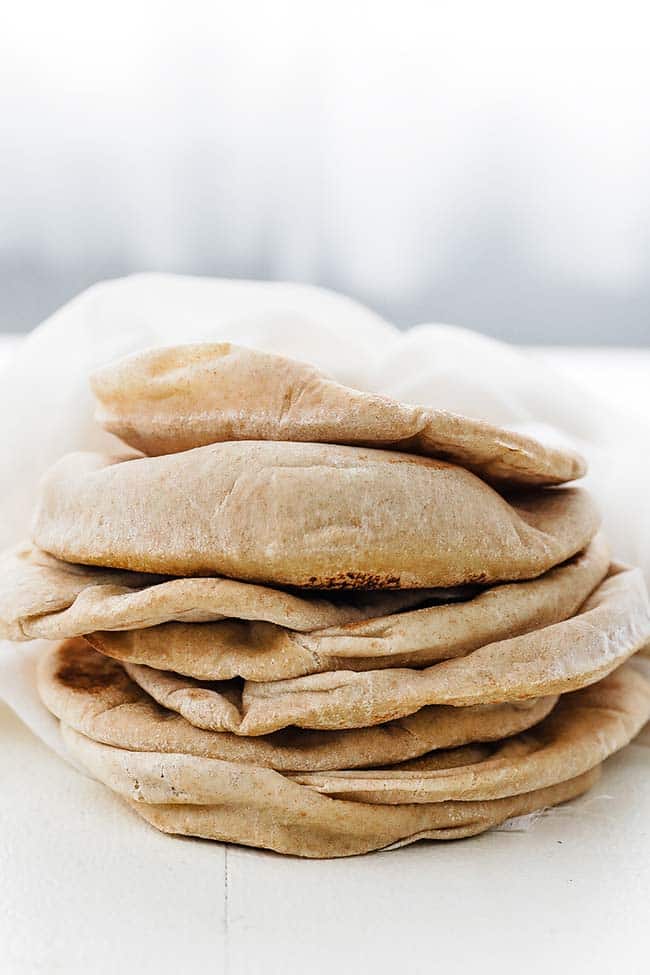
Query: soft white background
x=479 y=163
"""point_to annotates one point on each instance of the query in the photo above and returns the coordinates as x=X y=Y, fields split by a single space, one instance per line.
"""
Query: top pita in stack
x=172 y=399
x=282 y=502
x=298 y=576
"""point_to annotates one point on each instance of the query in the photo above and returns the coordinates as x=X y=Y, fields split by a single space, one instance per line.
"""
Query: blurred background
x=481 y=164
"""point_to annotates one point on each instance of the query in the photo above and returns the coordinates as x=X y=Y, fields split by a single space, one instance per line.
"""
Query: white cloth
x=46 y=410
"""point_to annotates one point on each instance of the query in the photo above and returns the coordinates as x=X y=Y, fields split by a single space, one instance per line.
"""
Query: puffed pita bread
x=584 y=728
x=172 y=399
x=302 y=514
x=262 y=808
x=93 y=695
x=43 y=597
x=420 y=637
x=612 y=625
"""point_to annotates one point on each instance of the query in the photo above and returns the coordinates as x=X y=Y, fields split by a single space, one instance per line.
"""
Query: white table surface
x=570 y=894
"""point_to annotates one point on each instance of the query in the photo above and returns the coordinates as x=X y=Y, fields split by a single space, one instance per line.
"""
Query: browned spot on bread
x=195 y=693
x=81 y=668
x=355 y=580
x=477 y=578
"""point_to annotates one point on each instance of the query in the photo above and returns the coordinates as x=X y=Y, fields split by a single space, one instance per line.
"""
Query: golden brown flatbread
x=259 y=807
x=584 y=729
x=171 y=399
x=612 y=625
x=260 y=651
x=302 y=514
x=94 y=695
x=41 y=596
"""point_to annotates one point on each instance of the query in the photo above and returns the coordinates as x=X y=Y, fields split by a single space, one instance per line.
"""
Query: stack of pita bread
x=301 y=617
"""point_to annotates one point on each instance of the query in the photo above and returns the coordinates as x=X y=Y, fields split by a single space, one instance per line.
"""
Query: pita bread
x=173 y=399
x=259 y=807
x=41 y=596
x=93 y=695
x=263 y=651
x=582 y=731
x=612 y=625
x=302 y=514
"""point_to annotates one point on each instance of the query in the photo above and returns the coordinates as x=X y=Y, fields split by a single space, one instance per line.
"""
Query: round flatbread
x=260 y=651
x=312 y=515
x=261 y=808
x=612 y=625
x=43 y=597
x=93 y=695
x=167 y=400
x=584 y=729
